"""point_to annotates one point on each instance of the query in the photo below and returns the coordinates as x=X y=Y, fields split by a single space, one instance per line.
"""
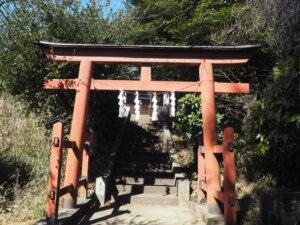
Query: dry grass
x=24 y=160
x=185 y=155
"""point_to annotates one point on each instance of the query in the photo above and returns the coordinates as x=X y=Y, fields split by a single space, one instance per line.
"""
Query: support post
x=146 y=72
x=229 y=176
x=54 y=175
x=201 y=169
x=74 y=158
x=83 y=190
x=213 y=182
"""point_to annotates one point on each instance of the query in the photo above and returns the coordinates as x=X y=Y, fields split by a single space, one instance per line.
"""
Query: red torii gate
x=203 y=57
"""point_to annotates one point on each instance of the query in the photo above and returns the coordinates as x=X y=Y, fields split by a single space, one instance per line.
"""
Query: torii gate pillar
x=78 y=127
x=210 y=134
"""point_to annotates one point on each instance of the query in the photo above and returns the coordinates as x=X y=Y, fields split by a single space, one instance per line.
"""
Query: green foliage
x=188 y=117
x=278 y=119
x=24 y=67
x=275 y=128
x=188 y=125
x=188 y=122
x=22 y=64
x=180 y=21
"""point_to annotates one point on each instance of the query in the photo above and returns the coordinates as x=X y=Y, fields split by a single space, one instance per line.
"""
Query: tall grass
x=24 y=161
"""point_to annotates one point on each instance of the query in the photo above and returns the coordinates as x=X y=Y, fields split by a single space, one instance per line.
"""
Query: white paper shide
x=122 y=104
x=154 y=116
x=137 y=106
x=173 y=104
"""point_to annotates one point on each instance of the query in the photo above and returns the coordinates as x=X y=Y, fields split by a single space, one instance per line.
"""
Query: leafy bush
x=278 y=119
x=275 y=128
x=188 y=123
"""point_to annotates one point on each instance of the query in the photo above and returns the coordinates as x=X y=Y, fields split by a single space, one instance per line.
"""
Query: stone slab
x=208 y=218
x=280 y=208
x=154 y=199
x=183 y=188
x=135 y=180
x=159 y=189
x=70 y=216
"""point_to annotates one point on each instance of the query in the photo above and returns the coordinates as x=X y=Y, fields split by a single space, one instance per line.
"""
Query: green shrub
x=272 y=134
x=188 y=123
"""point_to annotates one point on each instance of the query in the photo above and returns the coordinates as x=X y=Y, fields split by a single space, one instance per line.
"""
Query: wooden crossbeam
x=216 y=149
x=137 y=85
x=65 y=190
x=147 y=54
x=69 y=144
x=148 y=60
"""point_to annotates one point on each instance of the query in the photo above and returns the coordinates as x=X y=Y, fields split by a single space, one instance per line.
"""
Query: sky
x=115 y=5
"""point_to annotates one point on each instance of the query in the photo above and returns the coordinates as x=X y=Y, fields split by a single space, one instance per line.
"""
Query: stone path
x=144 y=187
x=141 y=215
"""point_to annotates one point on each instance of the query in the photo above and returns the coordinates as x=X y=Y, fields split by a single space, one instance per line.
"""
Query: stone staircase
x=144 y=170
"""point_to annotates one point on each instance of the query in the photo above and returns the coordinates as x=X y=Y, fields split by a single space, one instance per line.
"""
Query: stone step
x=142 y=137
x=201 y=210
x=144 y=157
x=141 y=153
x=142 y=173
x=165 y=170
x=139 y=189
x=136 y=180
x=145 y=165
x=160 y=172
x=139 y=148
x=154 y=199
x=148 y=145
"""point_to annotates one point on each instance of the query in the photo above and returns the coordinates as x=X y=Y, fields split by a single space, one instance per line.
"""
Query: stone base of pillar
x=214 y=209
x=68 y=203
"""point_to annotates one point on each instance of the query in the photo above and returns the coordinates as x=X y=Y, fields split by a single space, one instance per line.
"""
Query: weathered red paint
x=145 y=73
x=135 y=85
x=229 y=177
x=216 y=149
x=203 y=187
x=210 y=135
x=74 y=158
x=130 y=60
x=65 y=190
x=219 y=195
x=201 y=169
x=83 y=190
x=55 y=167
